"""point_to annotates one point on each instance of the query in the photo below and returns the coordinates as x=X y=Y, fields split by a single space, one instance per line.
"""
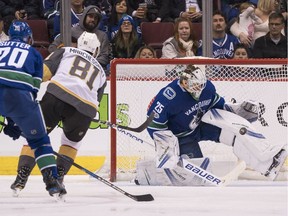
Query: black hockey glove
x=12 y=130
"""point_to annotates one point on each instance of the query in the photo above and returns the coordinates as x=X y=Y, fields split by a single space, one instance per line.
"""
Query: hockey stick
x=210 y=177
x=139 y=198
x=137 y=130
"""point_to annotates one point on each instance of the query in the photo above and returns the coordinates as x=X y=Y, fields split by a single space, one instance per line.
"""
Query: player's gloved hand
x=12 y=130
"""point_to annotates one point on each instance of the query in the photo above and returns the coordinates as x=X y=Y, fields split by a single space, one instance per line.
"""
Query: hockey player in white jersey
x=77 y=83
x=188 y=110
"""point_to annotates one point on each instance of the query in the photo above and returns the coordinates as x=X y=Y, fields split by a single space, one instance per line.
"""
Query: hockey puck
x=242 y=130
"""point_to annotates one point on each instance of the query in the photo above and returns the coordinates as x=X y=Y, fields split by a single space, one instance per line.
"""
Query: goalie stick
x=210 y=177
x=137 y=130
x=139 y=198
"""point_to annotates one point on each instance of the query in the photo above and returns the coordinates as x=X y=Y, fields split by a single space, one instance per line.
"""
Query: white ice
x=88 y=197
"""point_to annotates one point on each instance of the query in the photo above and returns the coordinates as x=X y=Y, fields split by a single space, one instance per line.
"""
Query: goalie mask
x=89 y=42
x=195 y=80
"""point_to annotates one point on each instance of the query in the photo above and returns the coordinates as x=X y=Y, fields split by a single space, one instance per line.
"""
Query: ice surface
x=90 y=197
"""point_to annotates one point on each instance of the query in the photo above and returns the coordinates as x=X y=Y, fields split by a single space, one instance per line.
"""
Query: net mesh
x=138 y=83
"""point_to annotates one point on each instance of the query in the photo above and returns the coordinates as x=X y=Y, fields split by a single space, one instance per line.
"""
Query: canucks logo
x=169 y=93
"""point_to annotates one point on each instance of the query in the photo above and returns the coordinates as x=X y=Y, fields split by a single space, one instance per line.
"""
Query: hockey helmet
x=20 y=30
x=89 y=42
x=195 y=80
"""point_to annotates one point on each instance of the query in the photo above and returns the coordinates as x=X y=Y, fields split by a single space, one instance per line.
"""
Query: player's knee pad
x=66 y=141
x=167 y=149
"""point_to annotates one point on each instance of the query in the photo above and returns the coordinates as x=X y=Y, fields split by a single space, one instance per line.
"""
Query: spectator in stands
x=104 y=5
x=183 y=43
x=158 y=11
x=137 y=9
x=126 y=42
x=88 y=22
x=231 y=8
x=274 y=43
x=256 y=19
x=50 y=8
x=21 y=9
x=223 y=43
x=191 y=9
x=146 y=52
x=3 y=36
x=241 y=52
x=245 y=22
x=77 y=8
x=111 y=25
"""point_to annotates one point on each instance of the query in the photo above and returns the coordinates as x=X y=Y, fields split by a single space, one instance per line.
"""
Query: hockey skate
x=276 y=165
x=53 y=186
x=60 y=174
x=21 y=180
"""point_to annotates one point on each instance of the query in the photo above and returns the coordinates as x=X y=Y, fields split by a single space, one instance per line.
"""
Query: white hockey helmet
x=89 y=42
x=195 y=80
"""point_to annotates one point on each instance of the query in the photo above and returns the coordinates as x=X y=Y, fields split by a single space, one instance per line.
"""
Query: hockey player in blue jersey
x=21 y=70
x=189 y=110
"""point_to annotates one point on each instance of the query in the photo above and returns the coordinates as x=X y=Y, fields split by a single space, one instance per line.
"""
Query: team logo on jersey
x=169 y=93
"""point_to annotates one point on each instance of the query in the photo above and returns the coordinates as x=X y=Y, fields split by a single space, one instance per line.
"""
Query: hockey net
x=134 y=83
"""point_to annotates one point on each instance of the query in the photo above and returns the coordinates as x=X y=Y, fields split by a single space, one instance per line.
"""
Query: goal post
x=134 y=83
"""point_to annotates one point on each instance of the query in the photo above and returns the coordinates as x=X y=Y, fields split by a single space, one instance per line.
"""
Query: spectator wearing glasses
x=274 y=43
x=126 y=42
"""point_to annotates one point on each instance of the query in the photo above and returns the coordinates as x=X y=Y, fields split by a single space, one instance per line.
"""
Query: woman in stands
x=126 y=42
x=146 y=52
x=183 y=43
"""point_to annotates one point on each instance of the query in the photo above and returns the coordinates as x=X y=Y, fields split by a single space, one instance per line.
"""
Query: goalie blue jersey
x=176 y=110
x=21 y=66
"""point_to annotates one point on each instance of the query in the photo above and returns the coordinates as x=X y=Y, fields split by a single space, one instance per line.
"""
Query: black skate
x=53 y=186
x=277 y=163
x=21 y=180
x=60 y=174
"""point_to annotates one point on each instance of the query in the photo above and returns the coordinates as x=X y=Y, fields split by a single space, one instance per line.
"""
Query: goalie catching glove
x=11 y=129
x=247 y=109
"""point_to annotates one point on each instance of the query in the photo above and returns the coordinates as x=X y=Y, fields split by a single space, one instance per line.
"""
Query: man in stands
x=88 y=22
x=223 y=43
x=274 y=43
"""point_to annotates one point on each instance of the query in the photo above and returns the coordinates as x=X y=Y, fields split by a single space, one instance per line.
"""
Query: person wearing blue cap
x=126 y=41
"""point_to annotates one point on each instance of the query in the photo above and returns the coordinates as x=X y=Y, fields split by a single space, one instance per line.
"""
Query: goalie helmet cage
x=134 y=83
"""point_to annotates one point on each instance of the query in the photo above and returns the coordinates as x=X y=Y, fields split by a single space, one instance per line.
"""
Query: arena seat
x=154 y=34
x=40 y=32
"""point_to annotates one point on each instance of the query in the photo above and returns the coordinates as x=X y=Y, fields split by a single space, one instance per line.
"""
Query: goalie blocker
x=248 y=145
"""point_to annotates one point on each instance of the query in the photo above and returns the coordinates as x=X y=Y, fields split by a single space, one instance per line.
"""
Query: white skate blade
x=59 y=198
x=16 y=192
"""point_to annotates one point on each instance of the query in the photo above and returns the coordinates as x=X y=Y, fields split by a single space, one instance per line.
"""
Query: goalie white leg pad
x=167 y=149
x=148 y=174
x=249 y=145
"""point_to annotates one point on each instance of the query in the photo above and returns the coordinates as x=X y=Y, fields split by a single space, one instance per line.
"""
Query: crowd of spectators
x=256 y=27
